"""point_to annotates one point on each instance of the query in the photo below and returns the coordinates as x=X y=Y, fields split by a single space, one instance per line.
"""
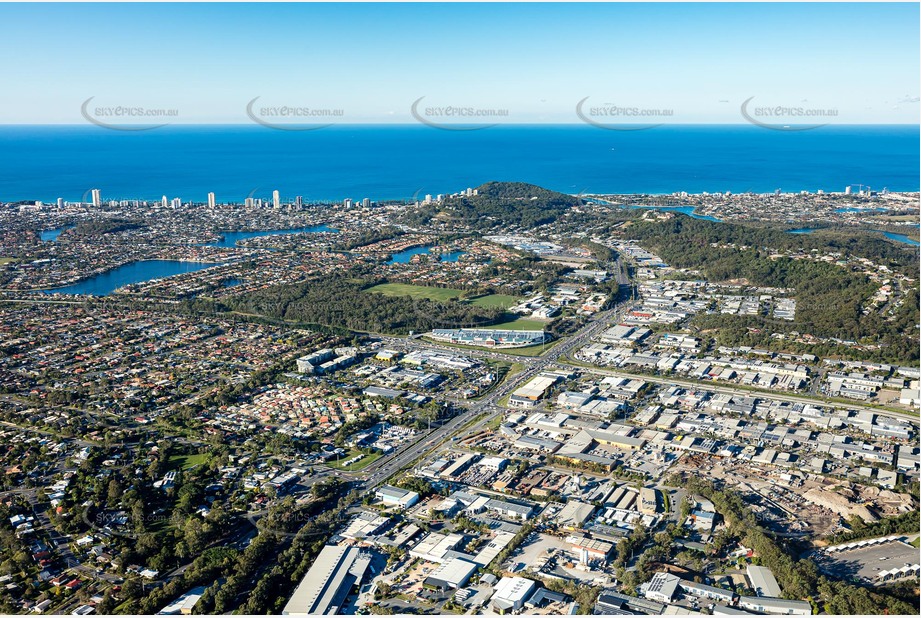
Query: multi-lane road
x=487 y=408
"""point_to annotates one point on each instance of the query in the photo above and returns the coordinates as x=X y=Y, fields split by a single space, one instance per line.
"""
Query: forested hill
x=688 y=230
x=832 y=301
x=524 y=191
x=498 y=205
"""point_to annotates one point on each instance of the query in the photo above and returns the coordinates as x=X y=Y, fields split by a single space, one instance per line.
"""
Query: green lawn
x=531 y=350
x=502 y=301
x=513 y=322
x=185 y=462
x=415 y=291
x=363 y=463
x=504 y=370
x=6 y=260
x=916 y=542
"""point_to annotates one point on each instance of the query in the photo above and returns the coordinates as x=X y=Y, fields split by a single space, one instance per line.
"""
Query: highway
x=377 y=473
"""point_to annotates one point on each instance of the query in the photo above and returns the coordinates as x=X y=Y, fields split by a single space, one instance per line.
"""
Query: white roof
x=763 y=582
x=575 y=513
x=455 y=571
x=514 y=589
x=322 y=582
x=434 y=546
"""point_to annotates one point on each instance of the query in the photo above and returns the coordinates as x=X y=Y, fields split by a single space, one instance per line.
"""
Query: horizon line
x=422 y=125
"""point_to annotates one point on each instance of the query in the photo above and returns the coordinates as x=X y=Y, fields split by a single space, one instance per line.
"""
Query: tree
x=114 y=495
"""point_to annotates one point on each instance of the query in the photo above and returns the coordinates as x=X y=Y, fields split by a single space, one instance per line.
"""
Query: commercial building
x=335 y=572
x=909 y=570
x=649 y=503
x=459 y=465
x=493 y=548
x=624 y=335
x=388 y=356
x=595 y=548
x=573 y=451
x=440 y=360
x=511 y=593
x=707 y=592
x=379 y=391
x=434 y=547
x=309 y=363
x=610 y=603
x=722 y=610
x=491 y=338
x=662 y=587
x=703 y=520
x=910 y=397
x=762 y=581
x=509 y=509
x=607 y=438
x=184 y=604
x=395 y=496
x=770 y=605
x=574 y=515
x=451 y=574
x=365 y=525
x=496 y=464
x=534 y=390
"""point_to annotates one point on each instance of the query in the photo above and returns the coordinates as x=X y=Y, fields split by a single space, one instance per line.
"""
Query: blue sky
x=537 y=61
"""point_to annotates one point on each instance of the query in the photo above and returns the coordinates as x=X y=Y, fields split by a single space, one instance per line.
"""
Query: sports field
x=415 y=291
x=502 y=301
x=513 y=322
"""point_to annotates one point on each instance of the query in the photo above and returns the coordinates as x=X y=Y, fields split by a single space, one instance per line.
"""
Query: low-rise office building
x=511 y=593
x=395 y=496
x=335 y=572
x=771 y=605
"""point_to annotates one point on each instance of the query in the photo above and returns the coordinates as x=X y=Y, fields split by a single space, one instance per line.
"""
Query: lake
x=230 y=238
x=133 y=272
x=403 y=257
x=687 y=210
x=452 y=256
x=902 y=238
x=52 y=235
x=858 y=209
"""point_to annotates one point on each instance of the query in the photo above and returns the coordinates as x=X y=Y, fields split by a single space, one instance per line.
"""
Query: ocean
x=400 y=162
